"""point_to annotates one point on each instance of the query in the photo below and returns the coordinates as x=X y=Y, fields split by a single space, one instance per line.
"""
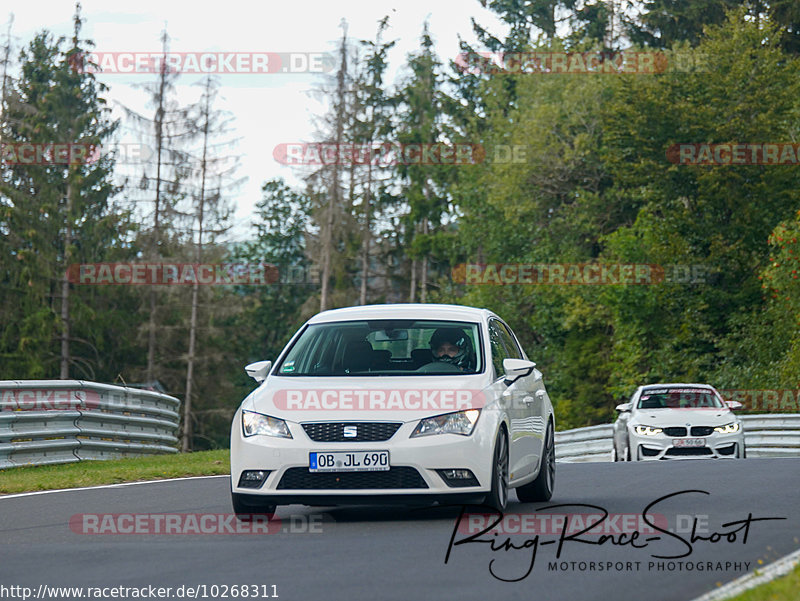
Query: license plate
x=349 y=461
x=688 y=442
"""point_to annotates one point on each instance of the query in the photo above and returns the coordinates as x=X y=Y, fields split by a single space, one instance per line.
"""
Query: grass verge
x=785 y=588
x=114 y=471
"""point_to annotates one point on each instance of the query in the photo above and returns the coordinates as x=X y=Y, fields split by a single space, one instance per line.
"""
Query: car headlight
x=256 y=423
x=731 y=428
x=647 y=430
x=460 y=422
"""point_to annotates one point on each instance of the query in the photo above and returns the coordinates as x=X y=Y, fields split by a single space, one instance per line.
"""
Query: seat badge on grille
x=350 y=432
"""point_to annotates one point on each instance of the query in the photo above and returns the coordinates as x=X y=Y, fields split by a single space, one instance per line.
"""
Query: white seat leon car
x=677 y=421
x=408 y=404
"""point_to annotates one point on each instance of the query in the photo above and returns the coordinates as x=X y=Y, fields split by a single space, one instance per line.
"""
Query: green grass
x=92 y=473
x=785 y=588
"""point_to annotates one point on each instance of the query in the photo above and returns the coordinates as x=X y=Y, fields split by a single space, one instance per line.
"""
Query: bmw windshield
x=679 y=398
x=385 y=348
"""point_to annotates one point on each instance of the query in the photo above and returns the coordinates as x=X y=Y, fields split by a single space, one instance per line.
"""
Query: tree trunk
x=159 y=127
x=423 y=280
x=65 y=358
x=367 y=236
x=186 y=442
x=333 y=196
x=412 y=297
x=423 y=295
x=186 y=439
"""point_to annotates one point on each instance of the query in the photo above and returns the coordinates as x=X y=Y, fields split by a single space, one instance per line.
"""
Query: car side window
x=498 y=348
x=514 y=352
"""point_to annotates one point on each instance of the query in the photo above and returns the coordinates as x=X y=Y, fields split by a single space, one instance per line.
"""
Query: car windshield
x=385 y=348
x=679 y=398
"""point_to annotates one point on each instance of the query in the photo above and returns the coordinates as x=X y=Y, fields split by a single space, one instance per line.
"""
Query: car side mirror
x=623 y=407
x=734 y=405
x=258 y=370
x=516 y=369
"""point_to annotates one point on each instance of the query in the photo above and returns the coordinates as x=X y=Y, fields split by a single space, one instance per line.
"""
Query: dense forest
x=571 y=160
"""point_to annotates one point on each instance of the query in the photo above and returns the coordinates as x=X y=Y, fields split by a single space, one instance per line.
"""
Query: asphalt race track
x=387 y=553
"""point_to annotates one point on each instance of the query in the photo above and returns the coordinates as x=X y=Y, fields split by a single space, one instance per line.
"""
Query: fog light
x=253 y=478
x=458 y=477
x=727 y=450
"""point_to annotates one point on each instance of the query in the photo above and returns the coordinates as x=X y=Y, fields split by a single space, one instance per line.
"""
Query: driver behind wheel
x=452 y=345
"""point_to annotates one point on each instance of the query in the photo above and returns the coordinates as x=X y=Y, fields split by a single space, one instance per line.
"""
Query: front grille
x=299 y=478
x=675 y=431
x=684 y=451
x=702 y=430
x=365 y=431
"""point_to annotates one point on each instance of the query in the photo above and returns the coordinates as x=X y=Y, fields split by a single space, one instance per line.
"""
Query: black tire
x=541 y=489
x=246 y=506
x=629 y=457
x=498 y=497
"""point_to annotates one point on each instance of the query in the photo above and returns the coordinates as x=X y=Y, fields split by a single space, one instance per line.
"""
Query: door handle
x=540 y=395
x=527 y=400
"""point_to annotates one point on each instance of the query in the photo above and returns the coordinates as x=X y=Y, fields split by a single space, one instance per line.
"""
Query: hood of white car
x=683 y=417
x=406 y=398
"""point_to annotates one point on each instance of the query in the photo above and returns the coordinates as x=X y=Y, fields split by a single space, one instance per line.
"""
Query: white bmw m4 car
x=408 y=404
x=677 y=421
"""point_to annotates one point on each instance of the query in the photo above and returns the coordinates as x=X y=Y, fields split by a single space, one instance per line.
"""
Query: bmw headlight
x=731 y=428
x=647 y=430
x=460 y=422
x=256 y=423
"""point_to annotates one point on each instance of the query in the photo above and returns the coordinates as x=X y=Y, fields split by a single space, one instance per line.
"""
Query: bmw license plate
x=688 y=442
x=349 y=461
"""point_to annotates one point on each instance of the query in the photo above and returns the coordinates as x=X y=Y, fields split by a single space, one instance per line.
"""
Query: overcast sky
x=269 y=109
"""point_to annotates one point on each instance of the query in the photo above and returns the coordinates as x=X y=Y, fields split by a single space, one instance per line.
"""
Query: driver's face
x=446 y=348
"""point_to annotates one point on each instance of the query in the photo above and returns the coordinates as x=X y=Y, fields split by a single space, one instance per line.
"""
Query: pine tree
x=210 y=215
x=372 y=123
x=59 y=211
x=163 y=182
x=424 y=186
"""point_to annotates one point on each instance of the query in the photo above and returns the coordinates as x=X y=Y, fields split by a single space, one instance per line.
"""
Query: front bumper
x=413 y=475
x=661 y=446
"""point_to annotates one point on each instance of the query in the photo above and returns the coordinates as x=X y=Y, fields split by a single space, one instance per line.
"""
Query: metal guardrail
x=775 y=435
x=64 y=421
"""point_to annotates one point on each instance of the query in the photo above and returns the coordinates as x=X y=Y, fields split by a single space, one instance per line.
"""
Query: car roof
x=404 y=311
x=676 y=385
